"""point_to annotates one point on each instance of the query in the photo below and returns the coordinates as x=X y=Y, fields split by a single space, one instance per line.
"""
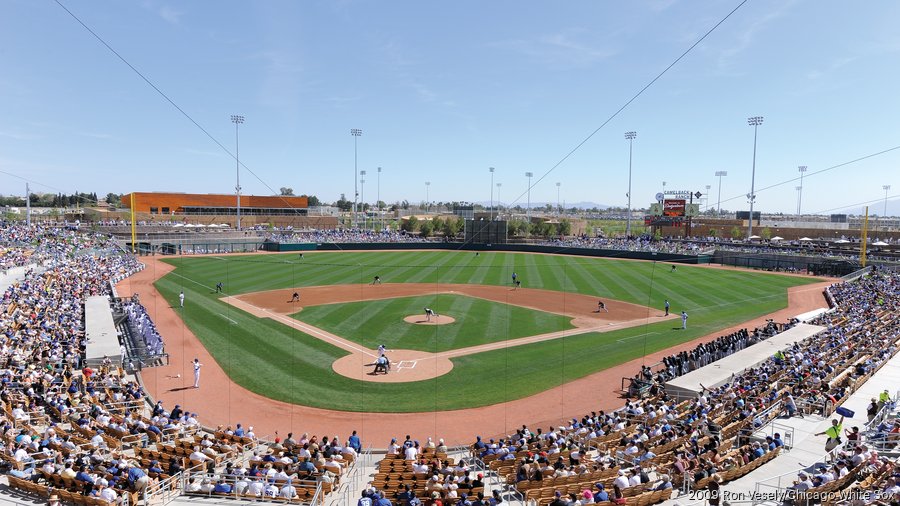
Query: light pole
x=753 y=121
x=707 y=196
x=355 y=132
x=885 y=188
x=498 y=199
x=719 y=174
x=558 y=209
x=362 y=190
x=491 y=213
x=237 y=120
x=630 y=136
x=427 y=202
x=528 y=211
x=378 y=199
x=802 y=169
x=362 y=198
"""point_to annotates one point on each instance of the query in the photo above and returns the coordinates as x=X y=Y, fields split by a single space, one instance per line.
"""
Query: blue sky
x=444 y=90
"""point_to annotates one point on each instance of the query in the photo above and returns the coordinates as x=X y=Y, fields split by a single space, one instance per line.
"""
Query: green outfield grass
x=478 y=321
x=285 y=364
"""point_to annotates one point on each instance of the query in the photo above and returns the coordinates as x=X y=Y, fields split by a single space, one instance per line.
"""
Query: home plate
x=406 y=364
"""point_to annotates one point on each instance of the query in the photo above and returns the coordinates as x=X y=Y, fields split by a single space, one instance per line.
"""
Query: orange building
x=168 y=204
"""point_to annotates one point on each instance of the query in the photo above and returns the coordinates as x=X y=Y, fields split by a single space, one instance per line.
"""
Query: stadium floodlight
x=237 y=120
x=362 y=193
x=355 y=132
x=885 y=188
x=802 y=169
x=491 y=212
x=378 y=199
x=720 y=174
x=630 y=136
x=529 y=175
x=753 y=121
x=498 y=199
x=558 y=209
x=427 y=202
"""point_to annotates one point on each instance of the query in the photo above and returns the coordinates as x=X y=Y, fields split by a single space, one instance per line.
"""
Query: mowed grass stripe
x=381 y=322
x=283 y=363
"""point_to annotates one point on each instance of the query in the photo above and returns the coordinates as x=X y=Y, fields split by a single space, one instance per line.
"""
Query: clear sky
x=444 y=90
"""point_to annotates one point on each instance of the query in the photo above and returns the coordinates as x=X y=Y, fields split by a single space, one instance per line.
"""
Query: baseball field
x=503 y=342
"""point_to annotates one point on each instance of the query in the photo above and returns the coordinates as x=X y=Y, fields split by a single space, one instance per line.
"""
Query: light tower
x=427 y=201
x=802 y=169
x=630 y=136
x=355 y=132
x=491 y=212
x=529 y=175
x=720 y=174
x=237 y=120
x=558 y=209
x=885 y=188
x=378 y=199
x=362 y=197
x=753 y=121
x=498 y=200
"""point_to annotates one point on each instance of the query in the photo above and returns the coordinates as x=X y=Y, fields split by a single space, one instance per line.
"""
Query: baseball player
x=295 y=297
x=518 y=284
x=181 y=298
x=667 y=307
x=429 y=313
x=219 y=287
x=601 y=306
x=515 y=277
x=197 y=366
x=673 y=268
x=381 y=349
x=376 y=280
x=684 y=318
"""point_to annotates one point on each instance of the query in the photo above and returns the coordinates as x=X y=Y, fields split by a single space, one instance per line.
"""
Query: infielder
x=181 y=298
x=684 y=318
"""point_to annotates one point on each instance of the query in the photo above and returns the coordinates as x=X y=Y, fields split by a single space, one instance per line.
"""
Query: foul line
x=229 y=319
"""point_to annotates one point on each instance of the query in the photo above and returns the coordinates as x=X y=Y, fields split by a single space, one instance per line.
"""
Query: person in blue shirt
x=600 y=495
x=222 y=487
x=365 y=500
x=777 y=440
x=382 y=501
x=354 y=442
x=83 y=476
x=239 y=431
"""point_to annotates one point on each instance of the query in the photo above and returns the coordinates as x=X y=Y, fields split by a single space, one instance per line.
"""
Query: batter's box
x=406 y=364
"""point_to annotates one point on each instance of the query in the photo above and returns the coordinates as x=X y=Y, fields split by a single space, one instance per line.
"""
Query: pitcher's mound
x=420 y=319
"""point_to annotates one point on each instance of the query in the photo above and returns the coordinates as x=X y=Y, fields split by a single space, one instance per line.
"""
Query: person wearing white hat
x=621 y=480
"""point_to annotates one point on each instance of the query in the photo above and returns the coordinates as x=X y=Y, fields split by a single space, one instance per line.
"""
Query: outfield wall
x=513 y=248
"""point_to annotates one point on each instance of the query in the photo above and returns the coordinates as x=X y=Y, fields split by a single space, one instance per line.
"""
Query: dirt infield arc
x=414 y=365
x=220 y=401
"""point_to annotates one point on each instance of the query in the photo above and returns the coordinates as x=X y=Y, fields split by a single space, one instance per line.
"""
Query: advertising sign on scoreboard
x=673 y=207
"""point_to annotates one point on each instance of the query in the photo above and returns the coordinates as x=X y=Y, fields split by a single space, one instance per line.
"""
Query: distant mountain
x=893 y=209
x=537 y=205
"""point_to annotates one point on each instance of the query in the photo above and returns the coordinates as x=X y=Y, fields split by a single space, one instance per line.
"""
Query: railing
x=317 y=497
x=777 y=486
x=163 y=492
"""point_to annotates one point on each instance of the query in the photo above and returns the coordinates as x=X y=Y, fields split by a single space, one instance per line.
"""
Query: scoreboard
x=674 y=207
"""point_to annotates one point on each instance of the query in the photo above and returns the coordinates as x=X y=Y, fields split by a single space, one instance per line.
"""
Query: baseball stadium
x=182 y=343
